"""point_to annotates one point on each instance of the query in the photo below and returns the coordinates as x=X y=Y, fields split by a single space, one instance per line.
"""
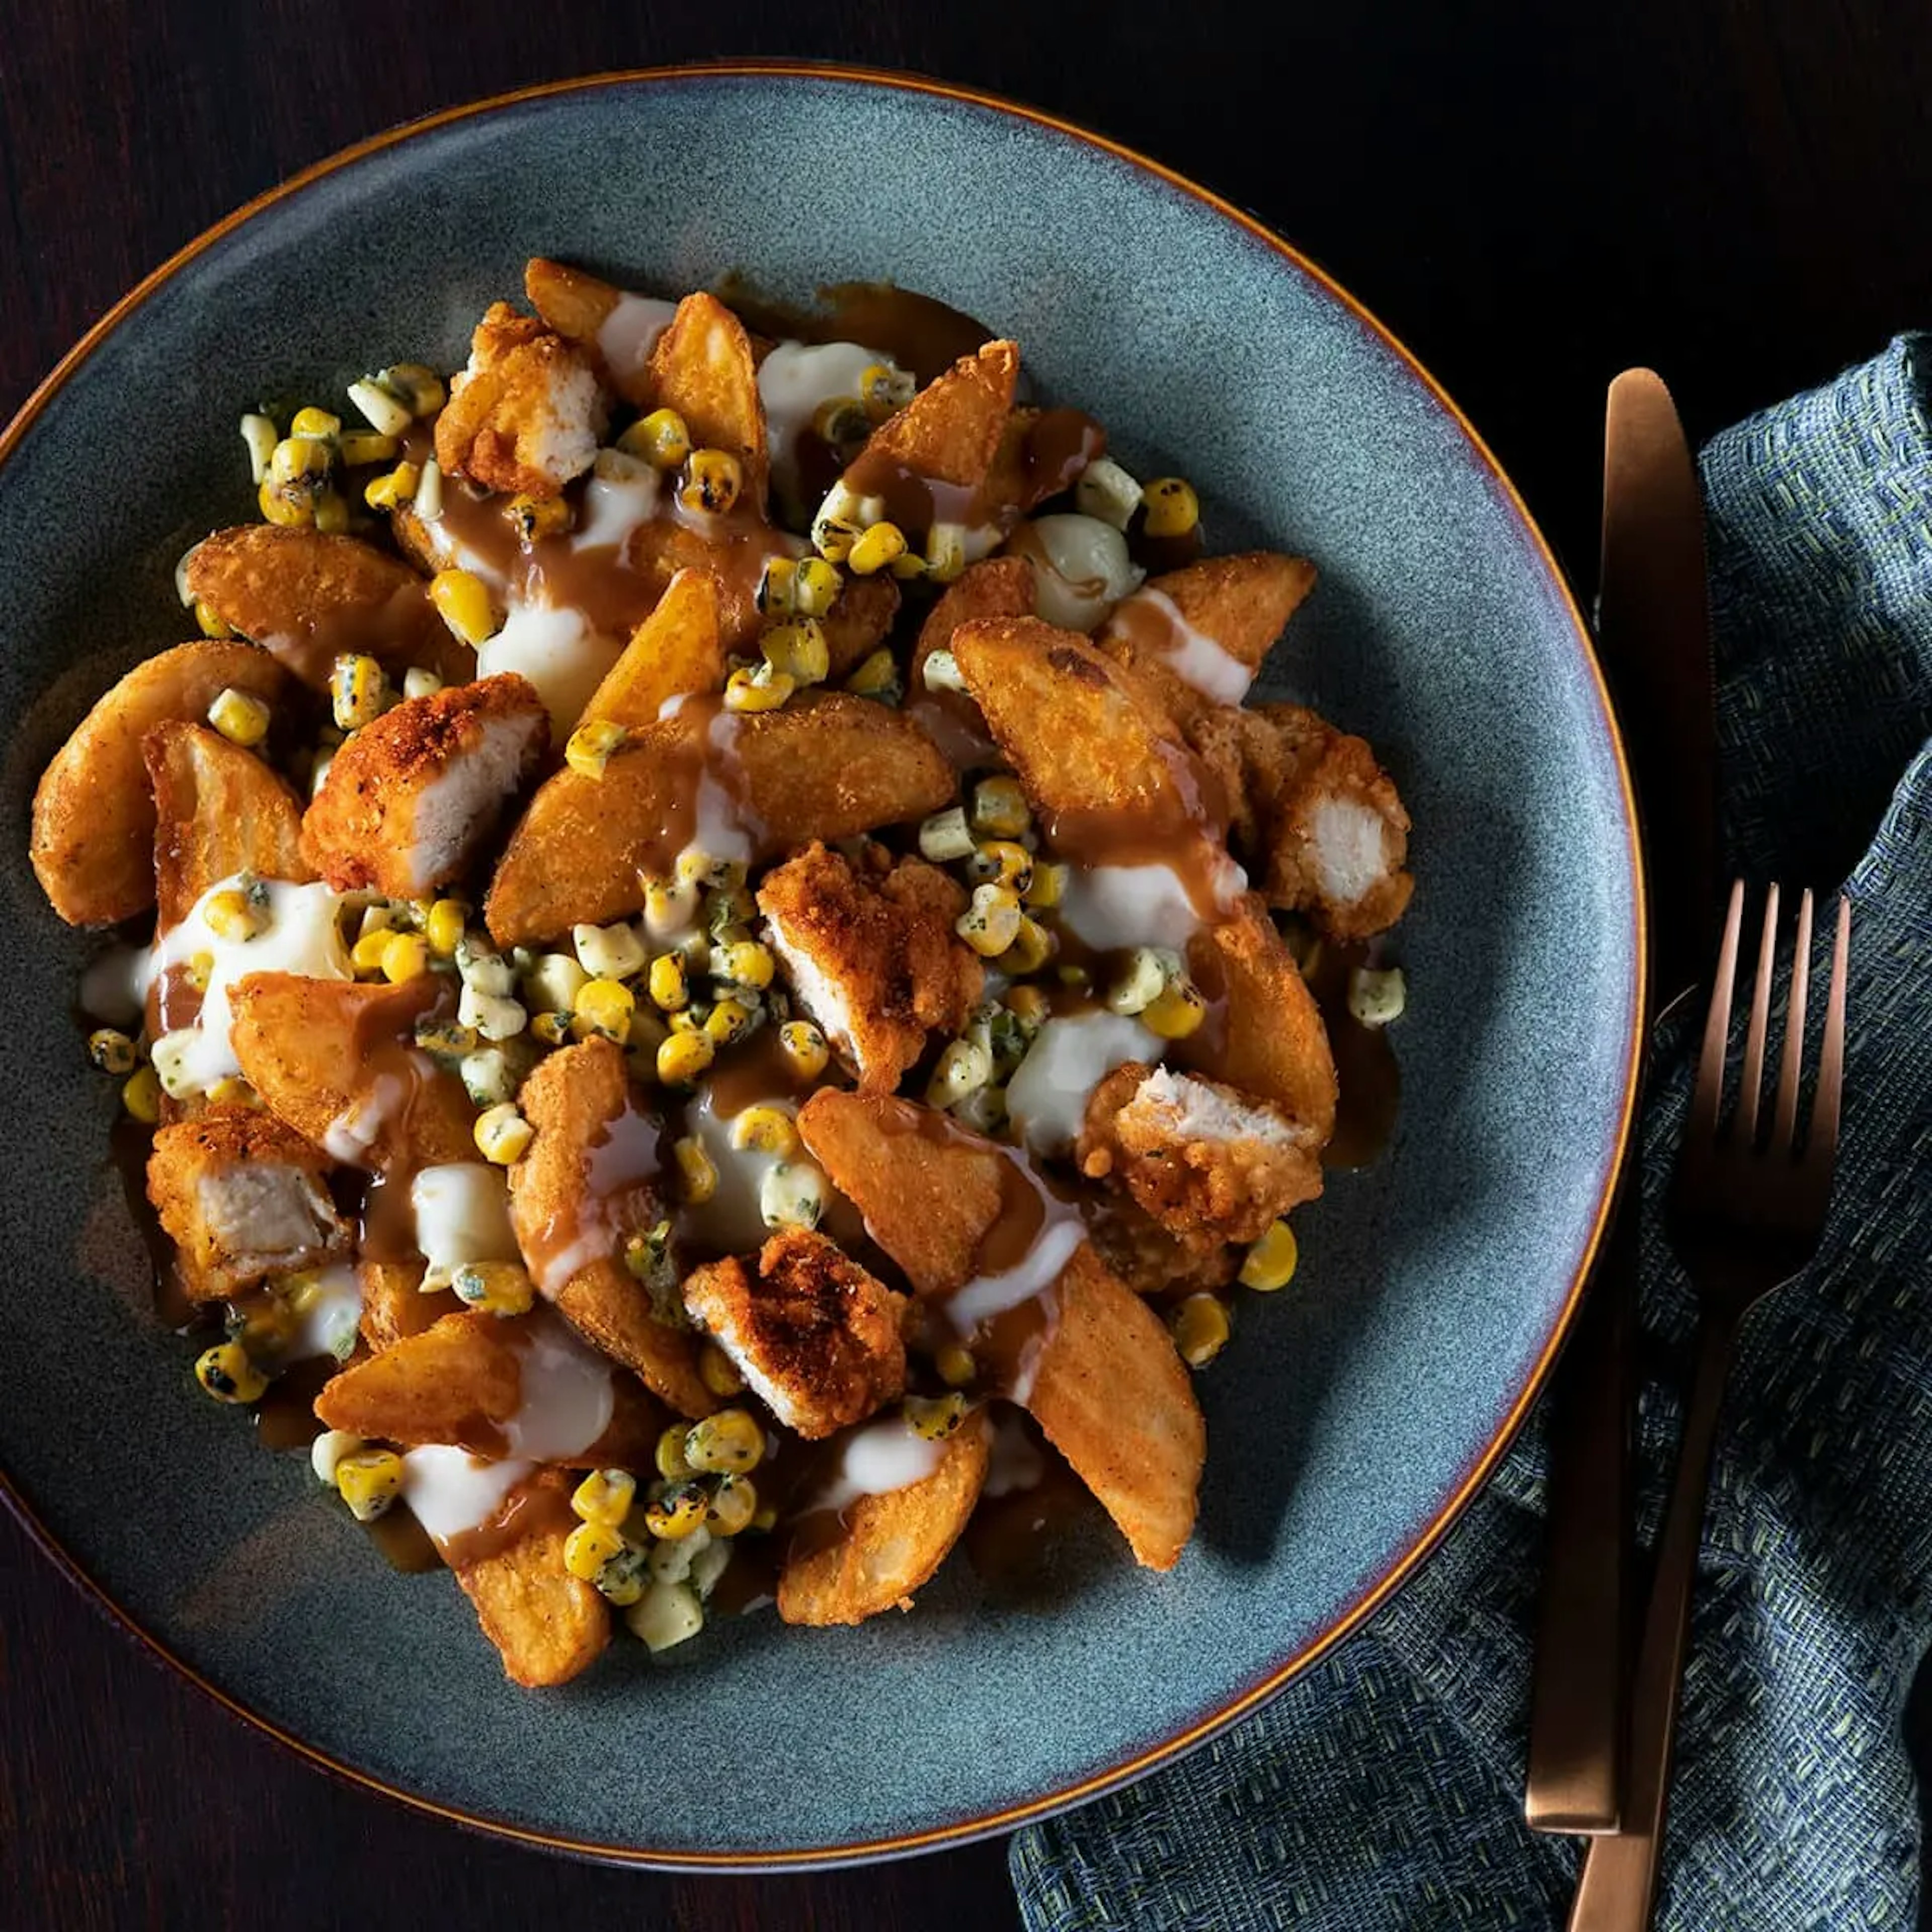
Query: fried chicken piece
x=1201 y=1158
x=1150 y=1261
x=815 y=1335
x=872 y=954
x=527 y=413
x=409 y=799
x=243 y=1198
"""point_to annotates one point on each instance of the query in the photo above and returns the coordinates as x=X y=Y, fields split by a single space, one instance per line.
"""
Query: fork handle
x=1618 y=1883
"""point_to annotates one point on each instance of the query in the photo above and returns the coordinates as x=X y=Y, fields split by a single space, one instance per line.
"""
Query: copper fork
x=1746 y=1215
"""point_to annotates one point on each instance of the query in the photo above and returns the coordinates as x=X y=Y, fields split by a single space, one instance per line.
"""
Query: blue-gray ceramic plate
x=1356 y=1413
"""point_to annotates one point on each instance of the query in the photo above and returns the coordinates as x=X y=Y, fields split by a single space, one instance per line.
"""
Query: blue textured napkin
x=1384 y=1788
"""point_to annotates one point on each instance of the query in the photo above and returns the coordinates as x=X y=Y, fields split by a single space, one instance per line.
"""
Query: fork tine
x=1821 y=1146
x=1784 y=1122
x=1751 y=1082
x=1701 y=1125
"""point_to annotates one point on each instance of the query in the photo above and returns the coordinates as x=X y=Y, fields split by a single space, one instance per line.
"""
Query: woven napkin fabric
x=1384 y=1788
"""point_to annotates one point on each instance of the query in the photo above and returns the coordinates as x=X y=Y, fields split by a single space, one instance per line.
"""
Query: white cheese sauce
x=450 y=1491
x=566 y=1399
x=628 y=335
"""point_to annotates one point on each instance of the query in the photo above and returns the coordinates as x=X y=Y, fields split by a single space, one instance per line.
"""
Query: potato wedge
x=703 y=368
x=889 y=1545
x=335 y=1061
x=306 y=596
x=219 y=811
x=675 y=653
x=828 y=767
x=949 y=433
x=997 y=587
x=547 y=1625
x=610 y=1308
x=857 y=624
x=580 y=305
x=394 y=1304
x=93 y=839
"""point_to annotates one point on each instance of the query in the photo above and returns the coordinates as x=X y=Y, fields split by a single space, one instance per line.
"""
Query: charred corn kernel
x=487 y=1078
x=240 y=717
x=941 y=672
x=626 y=1577
x=228 y=1374
x=666 y=1615
x=1141 y=981
x=382 y=409
x=991 y=922
x=366 y=955
x=679 y=1511
x=259 y=433
x=669 y=986
x=331 y=513
x=444 y=926
x=142 y=1095
x=497 y=1288
x=1200 y=1330
x=369 y=1480
x=1028 y=1005
x=728 y=1021
x=883 y=387
x=696 y=1170
x=945 y=552
x=955 y=1365
x=210 y=621
x=427 y=498
x=733 y=1504
x=502 y=1134
x=876 y=549
x=360 y=447
x=718 y=1372
x=1107 y=491
x=835 y=537
x=728 y=1443
x=416 y=385
x=699 y=868
x=712 y=478
x=909 y=565
x=1006 y=862
x=964 y=1067
x=463 y=599
x=552 y=1029
x=661 y=439
x=591 y=746
x=111 y=1050
x=804 y=1047
x=1377 y=999
x=605 y=1007
x=935 y=1417
x=300 y=461
x=532 y=517
x=746 y=963
x=356 y=692
x=318 y=424
x=406 y=957
x=672 y=1463
x=450 y=1041
x=1032 y=947
x=765 y=1130
x=1177 y=1012
x=778 y=587
x=843 y=421
x=815 y=586
x=589 y=1546
x=326 y=1452
x=999 y=808
x=1172 y=509
x=1270 y=1263
x=684 y=1057
x=1048 y=885
x=605 y=1496
x=944 y=836
x=877 y=676
x=232 y=915
x=797 y=649
x=762 y=690
x=398 y=486
x=792 y=1194
x=286 y=510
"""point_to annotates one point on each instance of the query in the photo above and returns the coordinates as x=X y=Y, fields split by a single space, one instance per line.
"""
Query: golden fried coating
x=92 y=845
x=394 y=1304
x=242 y=1198
x=526 y=415
x=857 y=624
x=676 y=651
x=409 y=800
x=871 y=955
x=219 y=811
x=703 y=367
x=1149 y=1260
x=950 y=431
x=816 y=1336
x=578 y=304
x=996 y=587
x=889 y=1545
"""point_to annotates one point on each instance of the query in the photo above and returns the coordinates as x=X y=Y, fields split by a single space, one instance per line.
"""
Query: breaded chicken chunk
x=409 y=799
x=243 y=1198
x=816 y=1337
x=527 y=413
x=1201 y=1158
x=1150 y=1261
x=872 y=954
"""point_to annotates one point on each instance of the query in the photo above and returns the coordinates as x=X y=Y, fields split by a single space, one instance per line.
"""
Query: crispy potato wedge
x=461 y=1382
x=219 y=811
x=93 y=838
x=857 y=624
x=610 y=1308
x=703 y=368
x=675 y=652
x=1114 y=1397
x=577 y=304
x=950 y=432
x=306 y=596
x=394 y=1304
x=996 y=587
x=334 y=1059
x=889 y=1545
x=547 y=1625
x=828 y=767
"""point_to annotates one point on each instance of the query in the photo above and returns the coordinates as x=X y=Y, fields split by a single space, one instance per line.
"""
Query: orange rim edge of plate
x=963 y=1830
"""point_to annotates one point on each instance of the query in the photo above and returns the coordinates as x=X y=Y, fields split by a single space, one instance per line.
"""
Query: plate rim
x=958 y=1831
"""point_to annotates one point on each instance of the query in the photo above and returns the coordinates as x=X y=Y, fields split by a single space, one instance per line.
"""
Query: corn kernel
x=230 y=914
x=945 y=552
x=240 y=717
x=877 y=676
x=1034 y=945
x=623 y=1580
x=605 y=1496
x=1177 y=1012
x=666 y=1615
x=668 y=984
x=552 y=984
x=1270 y=1263
x=1005 y=862
x=841 y=420
x=444 y=926
x=359 y=447
x=536 y=517
x=315 y=423
x=210 y=621
x=449 y=1041
x=964 y=1068
x=908 y=565
x=1200 y=1329
x=683 y=1057
x=835 y=536
x=382 y=409
x=728 y=1443
x=999 y=808
x=804 y=1047
x=331 y=513
x=697 y=1170
x=463 y=599
x=592 y=745
x=1172 y=509
x=258 y=432
x=552 y=1029
x=991 y=922
x=497 y=1288
x=589 y=1547
x=718 y=1372
x=232 y=1091
x=815 y=586
x=745 y=963
x=677 y=1512
x=934 y=1418
x=797 y=649
x=366 y=955
x=765 y=1130
x=727 y=1021
x=940 y=672
x=882 y=387
x=111 y=1050
x=1141 y=981
x=672 y=1463
x=956 y=1367
x=287 y=506
x=1029 y=1005
x=226 y=1373
x=398 y=486
x=661 y=439
x=427 y=499
x=502 y=1134
x=733 y=1504
x=326 y=1452
x=405 y=957
x=764 y=689
x=369 y=1480
x=417 y=386
x=358 y=691
x=876 y=549
x=1049 y=885
x=792 y=1194
x=142 y=1095
x=605 y=1007
x=486 y=1077
x=944 y=836
x=777 y=587
x=1377 y=999
x=1107 y=491
x=711 y=481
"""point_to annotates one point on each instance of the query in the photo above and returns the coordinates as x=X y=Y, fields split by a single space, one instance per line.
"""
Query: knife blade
x=1653 y=634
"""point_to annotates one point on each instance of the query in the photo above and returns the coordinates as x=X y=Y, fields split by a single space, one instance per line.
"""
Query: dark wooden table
x=1735 y=192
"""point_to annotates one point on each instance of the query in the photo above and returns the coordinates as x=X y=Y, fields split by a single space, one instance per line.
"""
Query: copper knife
x=1653 y=634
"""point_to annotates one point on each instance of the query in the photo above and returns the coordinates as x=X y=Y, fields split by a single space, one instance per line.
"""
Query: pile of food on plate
x=715 y=959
